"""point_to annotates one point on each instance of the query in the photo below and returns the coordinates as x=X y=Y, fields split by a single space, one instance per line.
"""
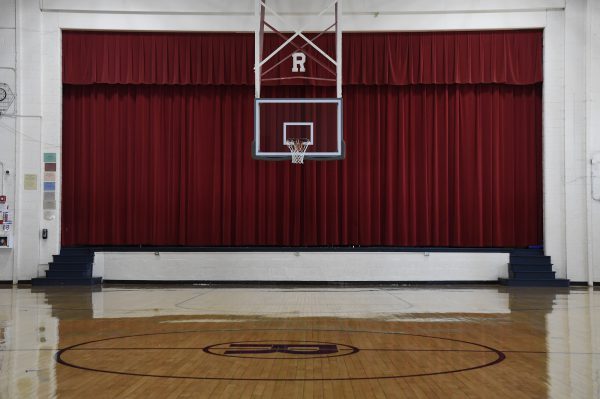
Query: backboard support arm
x=260 y=59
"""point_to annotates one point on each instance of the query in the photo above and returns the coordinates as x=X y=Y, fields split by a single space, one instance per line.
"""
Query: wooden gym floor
x=281 y=342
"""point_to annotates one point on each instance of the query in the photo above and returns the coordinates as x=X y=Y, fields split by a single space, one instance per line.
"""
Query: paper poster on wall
x=49 y=186
x=49 y=204
x=49 y=157
x=30 y=182
x=49 y=176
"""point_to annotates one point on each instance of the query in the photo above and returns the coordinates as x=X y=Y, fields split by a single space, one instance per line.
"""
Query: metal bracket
x=260 y=12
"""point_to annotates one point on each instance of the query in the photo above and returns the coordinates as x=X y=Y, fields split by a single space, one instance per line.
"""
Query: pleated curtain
x=443 y=144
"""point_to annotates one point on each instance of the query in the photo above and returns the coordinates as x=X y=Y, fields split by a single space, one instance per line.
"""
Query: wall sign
x=30 y=182
x=49 y=157
x=49 y=181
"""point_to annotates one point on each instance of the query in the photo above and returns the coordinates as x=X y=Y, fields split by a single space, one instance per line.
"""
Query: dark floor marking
x=500 y=356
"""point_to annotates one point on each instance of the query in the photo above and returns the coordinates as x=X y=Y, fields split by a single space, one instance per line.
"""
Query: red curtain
x=427 y=165
x=509 y=57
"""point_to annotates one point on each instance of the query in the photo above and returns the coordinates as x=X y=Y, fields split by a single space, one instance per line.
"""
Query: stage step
x=76 y=252
x=66 y=281
x=527 y=252
x=531 y=268
x=530 y=259
x=74 y=266
x=71 y=265
x=62 y=274
x=526 y=267
x=511 y=282
x=535 y=275
x=73 y=258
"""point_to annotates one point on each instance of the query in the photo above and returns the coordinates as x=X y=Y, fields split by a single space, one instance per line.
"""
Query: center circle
x=279 y=355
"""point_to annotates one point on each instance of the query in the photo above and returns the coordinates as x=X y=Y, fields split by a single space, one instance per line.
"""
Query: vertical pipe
x=588 y=143
x=18 y=159
x=258 y=15
x=338 y=47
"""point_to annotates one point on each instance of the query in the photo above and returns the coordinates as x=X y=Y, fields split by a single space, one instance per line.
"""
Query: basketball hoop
x=298 y=149
x=316 y=122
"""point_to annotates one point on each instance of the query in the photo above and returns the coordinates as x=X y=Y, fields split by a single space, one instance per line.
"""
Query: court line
x=344 y=350
x=517 y=351
x=178 y=304
x=409 y=305
x=500 y=357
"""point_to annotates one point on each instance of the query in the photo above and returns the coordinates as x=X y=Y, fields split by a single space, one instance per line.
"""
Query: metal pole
x=338 y=46
x=259 y=14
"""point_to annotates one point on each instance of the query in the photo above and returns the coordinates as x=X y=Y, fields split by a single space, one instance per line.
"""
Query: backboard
x=279 y=119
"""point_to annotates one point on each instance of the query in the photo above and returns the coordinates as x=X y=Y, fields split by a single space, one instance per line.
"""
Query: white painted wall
x=574 y=138
x=304 y=266
x=553 y=141
x=571 y=104
x=592 y=127
x=8 y=125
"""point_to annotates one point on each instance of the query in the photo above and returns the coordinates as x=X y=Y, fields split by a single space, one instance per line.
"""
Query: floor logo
x=280 y=349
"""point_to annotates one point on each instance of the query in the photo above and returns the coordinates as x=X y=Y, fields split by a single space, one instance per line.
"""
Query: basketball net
x=298 y=149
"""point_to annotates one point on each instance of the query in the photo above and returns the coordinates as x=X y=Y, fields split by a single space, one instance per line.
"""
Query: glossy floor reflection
x=405 y=342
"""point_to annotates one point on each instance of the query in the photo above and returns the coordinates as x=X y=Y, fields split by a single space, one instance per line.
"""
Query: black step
x=527 y=252
x=71 y=265
x=518 y=267
x=534 y=283
x=76 y=251
x=529 y=259
x=61 y=274
x=73 y=258
x=85 y=272
x=511 y=264
x=69 y=281
x=532 y=275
